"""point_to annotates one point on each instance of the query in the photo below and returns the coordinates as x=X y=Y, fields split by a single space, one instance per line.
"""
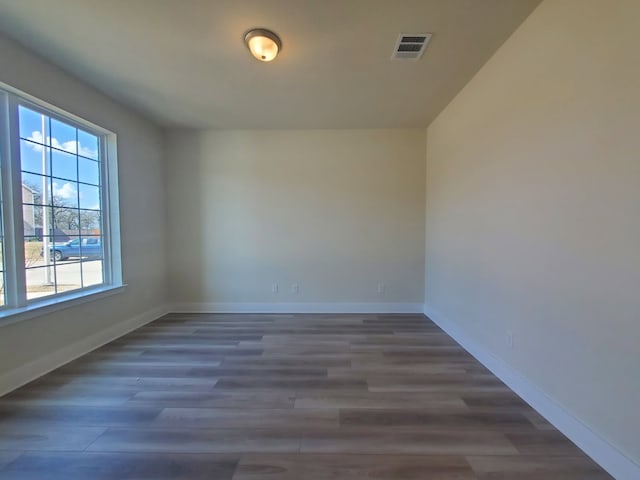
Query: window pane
x=40 y=282
x=38 y=219
x=91 y=247
x=31 y=157
x=34 y=216
x=68 y=276
x=43 y=220
x=35 y=184
x=92 y=272
x=65 y=194
x=63 y=136
x=66 y=222
x=34 y=253
x=64 y=165
x=88 y=145
x=39 y=251
x=65 y=248
x=89 y=197
x=89 y=171
x=90 y=222
x=33 y=125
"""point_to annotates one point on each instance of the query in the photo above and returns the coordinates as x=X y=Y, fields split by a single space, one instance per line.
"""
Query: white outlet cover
x=508 y=338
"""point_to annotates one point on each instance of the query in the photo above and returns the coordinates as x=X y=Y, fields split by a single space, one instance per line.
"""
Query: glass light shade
x=263 y=44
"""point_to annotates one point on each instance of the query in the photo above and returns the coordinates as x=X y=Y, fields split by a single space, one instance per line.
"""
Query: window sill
x=14 y=315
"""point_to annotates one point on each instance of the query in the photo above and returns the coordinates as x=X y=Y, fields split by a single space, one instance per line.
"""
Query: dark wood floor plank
x=416 y=419
x=52 y=437
x=6 y=457
x=189 y=399
x=364 y=441
x=120 y=466
x=395 y=370
x=536 y=468
x=64 y=397
x=499 y=401
x=550 y=443
x=277 y=360
x=353 y=467
x=374 y=400
x=130 y=369
x=289 y=419
x=18 y=415
x=188 y=440
x=300 y=383
x=435 y=383
x=111 y=382
x=264 y=371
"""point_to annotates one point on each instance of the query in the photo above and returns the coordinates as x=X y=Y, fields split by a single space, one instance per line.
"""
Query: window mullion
x=15 y=283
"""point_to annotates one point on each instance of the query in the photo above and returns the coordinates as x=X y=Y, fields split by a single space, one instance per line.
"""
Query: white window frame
x=17 y=307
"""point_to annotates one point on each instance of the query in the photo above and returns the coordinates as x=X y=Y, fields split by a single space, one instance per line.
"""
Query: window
x=58 y=205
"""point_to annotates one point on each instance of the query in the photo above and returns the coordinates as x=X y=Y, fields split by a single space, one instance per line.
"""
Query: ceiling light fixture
x=263 y=44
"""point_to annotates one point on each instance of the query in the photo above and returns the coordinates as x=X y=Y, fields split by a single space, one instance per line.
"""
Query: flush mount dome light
x=263 y=44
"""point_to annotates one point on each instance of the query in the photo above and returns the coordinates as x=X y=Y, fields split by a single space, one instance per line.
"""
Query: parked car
x=85 y=248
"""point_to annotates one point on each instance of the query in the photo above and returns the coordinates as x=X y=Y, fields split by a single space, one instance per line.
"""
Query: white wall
x=40 y=343
x=533 y=210
x=334 y=211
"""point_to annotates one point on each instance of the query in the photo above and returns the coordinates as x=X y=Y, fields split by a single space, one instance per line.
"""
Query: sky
x=74 y=159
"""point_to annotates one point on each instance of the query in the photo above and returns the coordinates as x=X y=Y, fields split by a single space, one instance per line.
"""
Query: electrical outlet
x=508 y=338
x=381 y=288
x=295 y=288
x=274 y=288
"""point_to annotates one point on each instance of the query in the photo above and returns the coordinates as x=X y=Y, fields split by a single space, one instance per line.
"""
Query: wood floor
x=295 y=397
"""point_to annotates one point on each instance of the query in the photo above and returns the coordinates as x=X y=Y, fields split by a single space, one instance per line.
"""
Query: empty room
x=319 y=239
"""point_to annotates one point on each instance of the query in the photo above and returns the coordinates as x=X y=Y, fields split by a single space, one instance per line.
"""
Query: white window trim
x=17 y=307
x=59 y=302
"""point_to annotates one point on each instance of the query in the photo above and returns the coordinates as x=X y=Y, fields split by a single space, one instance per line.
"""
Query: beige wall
x=140 y=155
x=334 y=211
x=533 y=210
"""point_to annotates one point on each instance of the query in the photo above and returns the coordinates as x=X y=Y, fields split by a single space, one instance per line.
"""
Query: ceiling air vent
x=410 y=46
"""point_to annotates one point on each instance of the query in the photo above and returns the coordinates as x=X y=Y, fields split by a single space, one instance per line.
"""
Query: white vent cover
x=410 y=46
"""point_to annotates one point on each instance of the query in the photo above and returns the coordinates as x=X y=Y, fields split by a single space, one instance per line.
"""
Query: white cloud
x=67 y=191
x=71 y=146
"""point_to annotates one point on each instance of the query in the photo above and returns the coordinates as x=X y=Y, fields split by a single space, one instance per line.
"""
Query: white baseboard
x=599 y=449
x=36 y=368
x=297 y=308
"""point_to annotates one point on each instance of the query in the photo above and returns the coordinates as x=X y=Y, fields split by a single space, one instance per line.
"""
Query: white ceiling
x=183 y=62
